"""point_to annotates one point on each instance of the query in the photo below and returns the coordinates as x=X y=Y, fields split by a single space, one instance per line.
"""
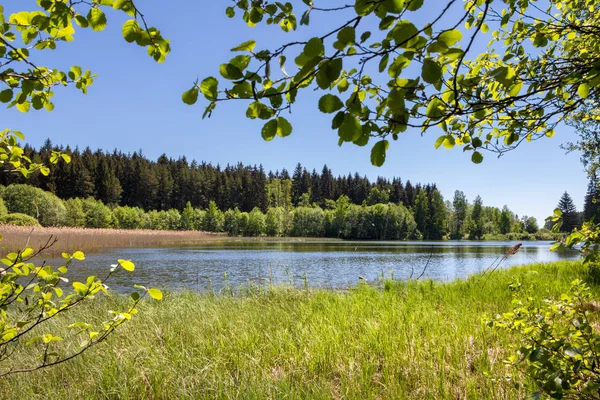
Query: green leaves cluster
x=559 y=342
x=31 y=295
x=29 y=85
x=419 y=75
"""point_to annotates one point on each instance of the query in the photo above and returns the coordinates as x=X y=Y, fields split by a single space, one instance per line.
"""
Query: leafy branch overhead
x=23 y=34
x=383 y=73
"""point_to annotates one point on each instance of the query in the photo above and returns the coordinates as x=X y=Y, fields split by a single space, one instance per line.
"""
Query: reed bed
x=15 y=238
x=403 y=340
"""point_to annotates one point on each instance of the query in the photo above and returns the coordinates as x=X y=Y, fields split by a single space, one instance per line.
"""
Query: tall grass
x=404 y=340
x=85 y=239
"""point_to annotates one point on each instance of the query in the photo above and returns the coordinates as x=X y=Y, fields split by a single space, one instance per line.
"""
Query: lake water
x=320 y=263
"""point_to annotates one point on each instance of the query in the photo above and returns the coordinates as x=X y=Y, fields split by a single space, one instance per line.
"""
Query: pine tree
x=327 y=184
x=591 y=207
x=108 y=188
x=460 y=205
x=421 y=211
x=569 y=213
x=505 y=220
x=437 y=216
x=297 y=184
x=476 y=231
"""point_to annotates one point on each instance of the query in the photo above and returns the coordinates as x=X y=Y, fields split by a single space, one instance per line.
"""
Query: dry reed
x=15 y=238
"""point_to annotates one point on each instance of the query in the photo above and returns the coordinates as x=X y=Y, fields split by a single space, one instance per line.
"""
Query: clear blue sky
x=136 y=104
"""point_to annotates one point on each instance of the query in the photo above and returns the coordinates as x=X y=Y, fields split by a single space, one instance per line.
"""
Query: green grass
x=421 y=340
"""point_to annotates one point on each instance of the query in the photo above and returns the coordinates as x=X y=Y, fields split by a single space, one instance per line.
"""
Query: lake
x=319 y=263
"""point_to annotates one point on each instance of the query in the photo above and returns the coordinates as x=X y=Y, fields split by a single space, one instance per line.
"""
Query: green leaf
x=127 y=265
x=269 y=130
x=330 y=103
x=350 y=130
x=6 y=95
x=439 y=141
x=432 y=71
x=435 y=109
x=364 y=7
x=80 y=288
x=78 y=255
x=284 y=128
x=450 y=38
x=393 y=6
x=504 y=75
x=404 y=32
x=210 y=88
x=246 y=46
x=584 y=90
x=230 y=72
x=477 y=157
x=414 y=5
x=449 y=142
x=155 y=294
x=347 y=36
x=191 y=96
x=96 y=19
x=314 y=48
x=396 y=102
x=259 y=110
x=131 y=30
x=378 y=152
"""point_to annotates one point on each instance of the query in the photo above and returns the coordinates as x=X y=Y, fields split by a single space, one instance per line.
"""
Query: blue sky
x=136 y=104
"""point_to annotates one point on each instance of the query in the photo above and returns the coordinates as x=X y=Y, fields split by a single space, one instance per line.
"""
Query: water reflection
x=321 y=263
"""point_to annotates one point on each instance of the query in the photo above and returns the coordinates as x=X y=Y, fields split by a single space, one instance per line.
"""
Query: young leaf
x=432 y=71
x=477 y=157
x=330 y=103
x=378 y=152
x=96 y=19
x=450 y=38
x=284 y=128
x=191 y=96
x=584 y=90
x=155 y=294
x=269 y=130
x=127 y=265
x=210 y=88
x=246 y=46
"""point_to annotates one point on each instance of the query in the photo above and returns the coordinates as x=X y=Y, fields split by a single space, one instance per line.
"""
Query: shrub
x=308 y=222
x=558 y=346
x=19 y=220
x=213 y=218
x=172 y=219
x=231 y=222
x=127 y=217
x=97 y=215
x=75 y=216
x=44 y=206
x=3 y=209
x=256 y=223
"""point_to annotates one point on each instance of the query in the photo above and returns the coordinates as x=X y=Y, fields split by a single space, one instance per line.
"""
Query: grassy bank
x=403 y=340
x=88 y=240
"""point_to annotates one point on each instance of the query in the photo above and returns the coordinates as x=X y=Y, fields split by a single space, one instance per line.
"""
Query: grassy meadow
x=90 y=240
x=404 y=340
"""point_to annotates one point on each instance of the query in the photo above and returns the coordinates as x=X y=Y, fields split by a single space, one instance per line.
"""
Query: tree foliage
x=377 y=83
x=32 y=296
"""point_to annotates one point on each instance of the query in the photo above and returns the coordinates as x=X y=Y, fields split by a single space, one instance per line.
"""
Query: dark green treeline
x=246 y=200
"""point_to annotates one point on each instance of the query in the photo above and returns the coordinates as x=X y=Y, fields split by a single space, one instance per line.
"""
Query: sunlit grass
x=416 y=340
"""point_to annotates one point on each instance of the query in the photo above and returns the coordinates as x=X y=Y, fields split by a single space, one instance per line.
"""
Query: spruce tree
x=476 y=231
x=569 y=213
